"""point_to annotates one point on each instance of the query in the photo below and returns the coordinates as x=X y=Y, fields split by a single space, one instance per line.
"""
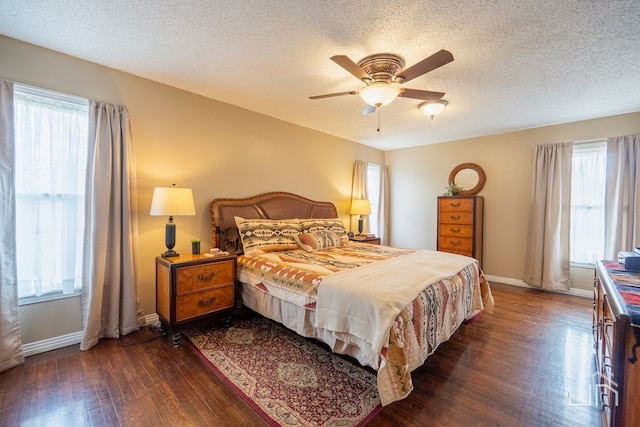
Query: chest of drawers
x=193 y=290
x=617 y=374
x=460 y=221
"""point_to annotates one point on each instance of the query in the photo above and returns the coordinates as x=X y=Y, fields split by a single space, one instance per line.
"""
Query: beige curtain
x=383 y=208
x=547 y=262
x=359 y=189
x=111 y=303
x=622 y=195
x=10 y=338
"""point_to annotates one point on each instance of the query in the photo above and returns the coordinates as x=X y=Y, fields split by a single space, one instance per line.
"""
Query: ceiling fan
x=381 y=74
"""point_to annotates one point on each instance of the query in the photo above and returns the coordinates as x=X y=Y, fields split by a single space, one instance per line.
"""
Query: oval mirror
x=469 y=176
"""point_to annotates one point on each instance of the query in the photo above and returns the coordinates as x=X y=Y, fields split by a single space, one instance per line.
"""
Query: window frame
x=600 y=144
x=374 y=196
x=23 y=89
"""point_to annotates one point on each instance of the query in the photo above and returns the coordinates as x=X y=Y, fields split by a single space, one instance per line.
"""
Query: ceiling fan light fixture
x=432 y=108
x=379 y=94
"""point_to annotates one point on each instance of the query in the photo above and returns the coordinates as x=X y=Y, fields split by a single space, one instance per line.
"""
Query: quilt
x=438 y=309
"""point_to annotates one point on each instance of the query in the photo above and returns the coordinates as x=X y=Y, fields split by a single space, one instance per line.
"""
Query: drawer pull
x=206 y=277
x=455 y=217
x=633 y=359
x=454 y=205
x=457 y=243
x=454 y=230
x=207 y=302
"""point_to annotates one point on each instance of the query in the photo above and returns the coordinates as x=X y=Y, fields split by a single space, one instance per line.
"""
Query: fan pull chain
x=378 y=130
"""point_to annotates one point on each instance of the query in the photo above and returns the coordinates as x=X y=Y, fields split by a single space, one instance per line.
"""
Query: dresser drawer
x=455 y=205
x=196 y=304
x=455 y=244
x=456 y=217
x=203 y=276
x=458 y=251
x=455 y=230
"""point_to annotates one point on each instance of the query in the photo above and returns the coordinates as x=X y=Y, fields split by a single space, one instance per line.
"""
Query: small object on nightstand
x=196 y=290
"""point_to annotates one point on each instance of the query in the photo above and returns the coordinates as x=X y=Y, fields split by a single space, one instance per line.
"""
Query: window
x=587 y=202
x=373 y=188
x=51 y=135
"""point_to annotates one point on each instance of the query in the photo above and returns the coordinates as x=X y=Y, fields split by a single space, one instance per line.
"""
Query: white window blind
x=51 y=132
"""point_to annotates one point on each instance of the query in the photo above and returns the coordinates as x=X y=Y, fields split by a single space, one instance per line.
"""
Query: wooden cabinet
x=618 y=372
x=193 y=290
x=460 y=220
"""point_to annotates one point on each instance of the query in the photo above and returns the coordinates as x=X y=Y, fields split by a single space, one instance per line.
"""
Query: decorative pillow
x=318 y=240
x=325 y=224
x=267 y=235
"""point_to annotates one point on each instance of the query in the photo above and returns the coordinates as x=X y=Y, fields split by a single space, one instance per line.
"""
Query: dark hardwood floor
x=528 y=364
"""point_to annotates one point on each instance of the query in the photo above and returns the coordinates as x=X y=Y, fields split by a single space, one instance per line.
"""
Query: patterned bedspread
x=430 y=320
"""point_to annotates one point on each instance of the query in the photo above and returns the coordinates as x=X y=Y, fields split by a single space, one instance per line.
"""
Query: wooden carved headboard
x=275 y=205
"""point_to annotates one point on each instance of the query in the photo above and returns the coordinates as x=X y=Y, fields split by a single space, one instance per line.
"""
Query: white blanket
x=360 y=304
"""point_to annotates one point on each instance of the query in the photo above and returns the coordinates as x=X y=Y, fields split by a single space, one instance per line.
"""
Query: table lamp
x=172 y=201
x=360 y=207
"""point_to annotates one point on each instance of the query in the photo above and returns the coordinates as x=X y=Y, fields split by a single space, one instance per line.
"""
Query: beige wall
x=215 y=148
x=223 y=151
x=418 y=176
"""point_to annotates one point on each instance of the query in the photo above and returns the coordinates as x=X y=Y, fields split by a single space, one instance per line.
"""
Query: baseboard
x=74 y=338
x=515 y=282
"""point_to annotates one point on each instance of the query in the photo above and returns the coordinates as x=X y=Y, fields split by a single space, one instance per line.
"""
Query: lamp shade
x=172 y=201
x=360 y=207
x=432 y=108
x=378 y=94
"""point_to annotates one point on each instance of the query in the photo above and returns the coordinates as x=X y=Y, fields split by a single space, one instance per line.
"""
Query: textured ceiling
x=518 y=64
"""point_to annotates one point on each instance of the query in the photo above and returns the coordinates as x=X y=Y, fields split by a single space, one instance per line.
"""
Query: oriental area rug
x=287 y=379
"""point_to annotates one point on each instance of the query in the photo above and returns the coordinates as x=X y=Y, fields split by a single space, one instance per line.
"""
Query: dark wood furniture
x=370 y=240
x=618 y=374
x=193 y=290
x=460 y=220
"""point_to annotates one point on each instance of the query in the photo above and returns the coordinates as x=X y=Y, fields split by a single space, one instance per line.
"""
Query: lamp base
x=170 y=254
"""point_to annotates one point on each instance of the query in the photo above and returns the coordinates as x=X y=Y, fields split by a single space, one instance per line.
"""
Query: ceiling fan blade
x=350 y=66
x=368 y=109
x=426 y=95
x=436 y=60
x=329 y=95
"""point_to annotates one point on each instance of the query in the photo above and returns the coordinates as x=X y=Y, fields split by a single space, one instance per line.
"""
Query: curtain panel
x=111 y=302
x=622 y=195
x=10 y=337
x=547 y=261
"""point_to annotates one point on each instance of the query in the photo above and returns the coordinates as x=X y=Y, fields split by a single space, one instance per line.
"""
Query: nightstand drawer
x=455 y=205
x=456 y=230
x=203 y=276
x=196 y=304
x=457 y=244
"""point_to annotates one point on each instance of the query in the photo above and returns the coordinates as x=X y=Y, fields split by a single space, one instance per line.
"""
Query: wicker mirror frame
x=482 y=178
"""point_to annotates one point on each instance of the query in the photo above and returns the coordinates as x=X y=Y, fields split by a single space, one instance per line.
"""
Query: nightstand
x=370 y=240
x=193 y=290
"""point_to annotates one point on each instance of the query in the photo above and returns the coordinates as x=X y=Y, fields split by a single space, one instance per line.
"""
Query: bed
x=388 y=308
